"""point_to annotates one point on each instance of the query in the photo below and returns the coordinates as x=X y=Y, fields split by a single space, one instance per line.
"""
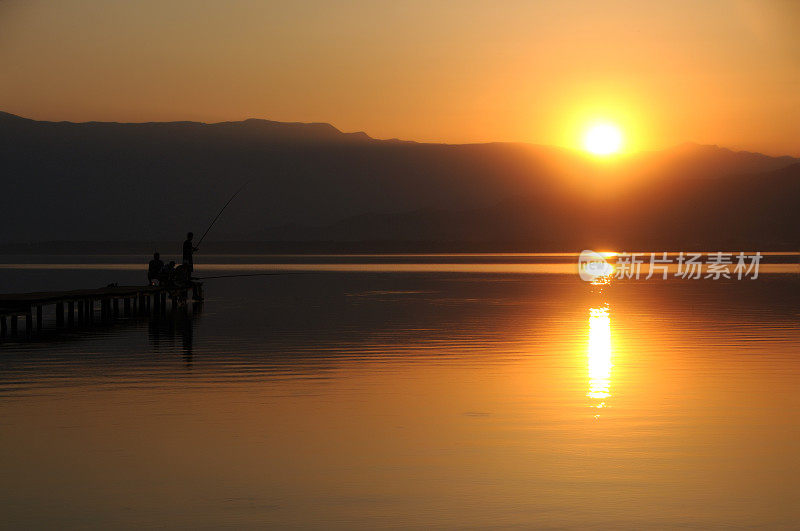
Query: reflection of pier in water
x=85 y=308
x=166 y=312
x=162 y=332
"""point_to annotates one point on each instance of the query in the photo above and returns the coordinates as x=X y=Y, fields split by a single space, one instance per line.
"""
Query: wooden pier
x=85 y=306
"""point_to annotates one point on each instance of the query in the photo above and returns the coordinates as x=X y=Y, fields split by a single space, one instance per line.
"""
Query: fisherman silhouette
x=188 y=251
x=154 y=269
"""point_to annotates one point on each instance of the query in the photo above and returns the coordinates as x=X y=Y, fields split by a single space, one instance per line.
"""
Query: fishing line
x=257 y=275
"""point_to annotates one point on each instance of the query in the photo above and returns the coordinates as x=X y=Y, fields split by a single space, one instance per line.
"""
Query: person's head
x=189 y=235
x=156 y=255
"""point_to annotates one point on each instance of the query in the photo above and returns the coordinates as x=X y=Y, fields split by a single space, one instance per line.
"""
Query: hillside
x=153 y=181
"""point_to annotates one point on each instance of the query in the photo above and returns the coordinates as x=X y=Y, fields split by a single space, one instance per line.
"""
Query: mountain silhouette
x=311 y=182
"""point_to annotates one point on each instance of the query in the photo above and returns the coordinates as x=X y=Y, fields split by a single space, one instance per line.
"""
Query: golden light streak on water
x=599 y=356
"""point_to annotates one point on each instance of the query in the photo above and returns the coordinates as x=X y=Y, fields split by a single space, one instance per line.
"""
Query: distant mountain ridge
x=704 y=215
x=261 y=129
x=153 y=181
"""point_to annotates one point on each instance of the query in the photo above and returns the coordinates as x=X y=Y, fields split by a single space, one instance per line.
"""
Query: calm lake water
x=427 y=391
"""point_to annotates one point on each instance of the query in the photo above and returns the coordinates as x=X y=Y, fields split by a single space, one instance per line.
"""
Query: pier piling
x=136 y=300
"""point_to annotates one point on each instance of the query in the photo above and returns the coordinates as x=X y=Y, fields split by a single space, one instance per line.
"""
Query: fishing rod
x=221 y=211
x=257 y=274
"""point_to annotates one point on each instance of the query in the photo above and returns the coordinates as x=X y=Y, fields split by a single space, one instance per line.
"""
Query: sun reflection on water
x=599 y=356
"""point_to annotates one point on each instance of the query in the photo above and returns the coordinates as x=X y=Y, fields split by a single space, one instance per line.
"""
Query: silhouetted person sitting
x=167 y=270
x=181 y=275
x=173 y=276
x=188 y=251
x=154 y=269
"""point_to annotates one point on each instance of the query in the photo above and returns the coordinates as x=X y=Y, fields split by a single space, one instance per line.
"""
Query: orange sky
x=721 y=72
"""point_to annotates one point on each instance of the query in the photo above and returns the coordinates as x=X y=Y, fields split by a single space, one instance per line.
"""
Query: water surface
x=403 y=392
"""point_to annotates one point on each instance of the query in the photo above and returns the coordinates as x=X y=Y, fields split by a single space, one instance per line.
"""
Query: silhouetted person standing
x=188 y=251
x=154 y=269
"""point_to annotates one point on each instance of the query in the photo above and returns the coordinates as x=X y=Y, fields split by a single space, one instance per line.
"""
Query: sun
x=603 y=139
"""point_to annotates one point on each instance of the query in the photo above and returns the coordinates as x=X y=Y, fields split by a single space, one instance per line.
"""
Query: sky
x=715 y=72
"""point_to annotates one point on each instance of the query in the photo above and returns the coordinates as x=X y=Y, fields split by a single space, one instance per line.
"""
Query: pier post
x=71 y=313
x=80 y=312
x=39 y=323
x=89 y=309
x=197 y=291
x=163 y=302
x=126 y=307
x=59 y=314
x=13 y=325
x=3 y=326
x=115 y=302
x=28 y=324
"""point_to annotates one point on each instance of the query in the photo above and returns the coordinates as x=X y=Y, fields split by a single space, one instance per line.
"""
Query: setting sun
x=603 y=139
